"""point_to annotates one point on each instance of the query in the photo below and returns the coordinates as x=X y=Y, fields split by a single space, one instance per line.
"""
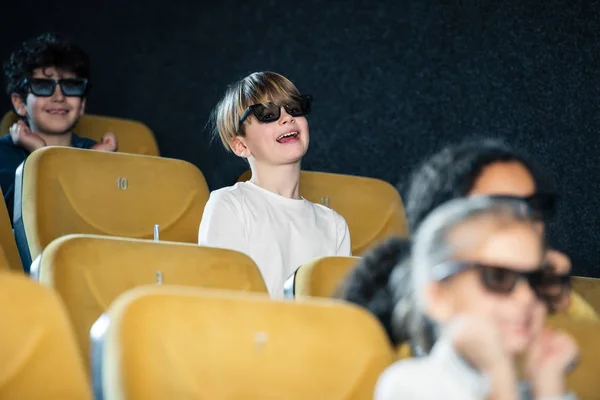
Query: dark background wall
x=393 y=81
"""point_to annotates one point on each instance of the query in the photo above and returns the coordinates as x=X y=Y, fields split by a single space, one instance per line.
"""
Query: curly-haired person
x=48 y=80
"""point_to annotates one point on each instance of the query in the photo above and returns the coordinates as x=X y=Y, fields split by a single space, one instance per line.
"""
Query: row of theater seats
x=119 y=198
x=159 y=320
x=62 y=190
x=132 y=136
x=82 y=217
x=175 y=342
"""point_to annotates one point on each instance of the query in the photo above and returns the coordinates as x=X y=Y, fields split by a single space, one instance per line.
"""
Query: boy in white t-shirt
x=262 y=118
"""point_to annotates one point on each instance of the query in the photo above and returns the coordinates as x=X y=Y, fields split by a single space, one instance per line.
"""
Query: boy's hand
x=22 y=136
x=560 y=262
x=550 y=357
x=108 y=143
x=479 y=342
x=561 y=294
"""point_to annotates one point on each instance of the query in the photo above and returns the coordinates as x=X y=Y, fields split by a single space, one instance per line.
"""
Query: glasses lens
x=543 y=205
x=299 y=106
x=73 y=87
x=499 y=280
x=266 y=112
x=549 y=286
x=42 y=87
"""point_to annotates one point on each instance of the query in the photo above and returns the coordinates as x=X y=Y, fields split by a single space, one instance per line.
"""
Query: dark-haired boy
x=48 y=80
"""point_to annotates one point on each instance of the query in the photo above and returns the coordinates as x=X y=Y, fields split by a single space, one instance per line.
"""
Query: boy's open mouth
x=58 y=111
x=288 y=137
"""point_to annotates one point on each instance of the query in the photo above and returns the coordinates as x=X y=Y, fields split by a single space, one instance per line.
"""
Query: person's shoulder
x=231 y=195
x=320 y=207
x=6 y=141
x=407 y=364
x=81 y=142
x=403 y=377
x=229 y=191
x=324 y=210
x=10 y=152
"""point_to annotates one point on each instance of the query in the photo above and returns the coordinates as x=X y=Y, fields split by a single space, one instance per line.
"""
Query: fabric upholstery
x=203 y=344
x=132 y=136
x=322 y=277
x=7 y=240
x=3 y=261
x=89 y=272
x=589 y=290
x=66 y=190
x=40 y=358
x=372 y=208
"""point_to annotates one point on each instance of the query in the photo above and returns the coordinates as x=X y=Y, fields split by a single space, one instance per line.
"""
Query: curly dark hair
x=367 y=284
x=452 y=172
x=46 y=50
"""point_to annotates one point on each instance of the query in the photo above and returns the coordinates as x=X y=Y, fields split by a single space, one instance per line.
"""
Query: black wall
x=393 y=81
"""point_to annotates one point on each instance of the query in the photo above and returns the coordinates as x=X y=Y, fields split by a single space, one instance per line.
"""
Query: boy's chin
x=57 y=129
x=296 y=153
x=293 y=160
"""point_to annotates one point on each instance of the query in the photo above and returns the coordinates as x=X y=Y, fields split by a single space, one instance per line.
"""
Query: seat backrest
x=589 y=289
x=372 y=208
x=132 y=136
x=3 y=262
x=322 y=277
x=584 y=379
x=7 y=239
x=209 y=344
x=89 y=272
x=62 y=190
x=40 y=359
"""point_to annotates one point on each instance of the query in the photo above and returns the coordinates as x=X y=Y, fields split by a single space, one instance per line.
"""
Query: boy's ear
x=82 y=106
x=18 y=104
x=439 y=305
x=239 y=147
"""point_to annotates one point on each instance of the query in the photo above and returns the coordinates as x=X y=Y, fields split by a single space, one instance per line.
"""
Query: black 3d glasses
x=271 y=112
x=546 y=284
x=45 y=87
x=542 y=206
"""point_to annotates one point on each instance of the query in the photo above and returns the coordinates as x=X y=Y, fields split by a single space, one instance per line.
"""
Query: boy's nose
x=58 y=94
x=285 y=117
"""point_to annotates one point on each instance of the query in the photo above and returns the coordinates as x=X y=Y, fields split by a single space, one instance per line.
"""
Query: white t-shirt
x=443 y=374
x=277 y=232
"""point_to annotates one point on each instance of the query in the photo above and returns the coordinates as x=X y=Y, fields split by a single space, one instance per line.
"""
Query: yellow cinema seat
x=3 y=261
x=39 y=356
x=372 y=208
x=132 y=136
x=588 y=289
x=211 y=344
x=7 y=239
x=320 y=277
x=62 y=190
x=89 y=272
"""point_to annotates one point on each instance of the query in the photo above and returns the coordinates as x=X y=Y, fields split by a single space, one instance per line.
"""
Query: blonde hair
x=256 y=88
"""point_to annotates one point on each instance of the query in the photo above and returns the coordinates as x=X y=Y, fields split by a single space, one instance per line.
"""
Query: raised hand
x=559 y=294
x=560 y=262
x=108 y=143
x=22 y=136
x=478 y=342
x=550 y=357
